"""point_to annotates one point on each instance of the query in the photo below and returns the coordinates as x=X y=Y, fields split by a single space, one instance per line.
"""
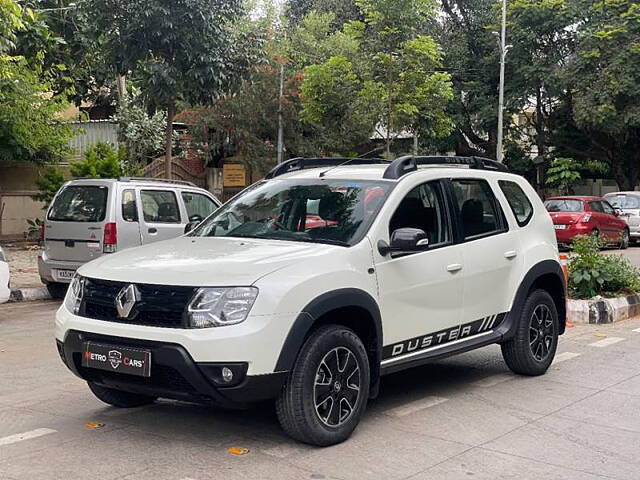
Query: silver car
x=88 y=218
x=628 y=203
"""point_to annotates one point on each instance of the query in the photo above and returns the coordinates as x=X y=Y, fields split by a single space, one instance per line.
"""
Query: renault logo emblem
x=126 y=300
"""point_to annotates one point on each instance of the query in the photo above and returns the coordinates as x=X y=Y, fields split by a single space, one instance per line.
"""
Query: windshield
x=563 y=205
x=624 y=201
x=80 y=203
x=337 y=212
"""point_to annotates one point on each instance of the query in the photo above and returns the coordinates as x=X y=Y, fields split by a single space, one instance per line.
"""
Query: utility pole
x=280 y=120
x=503 y=54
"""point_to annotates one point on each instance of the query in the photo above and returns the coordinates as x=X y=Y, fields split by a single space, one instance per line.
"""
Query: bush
x=592 y=273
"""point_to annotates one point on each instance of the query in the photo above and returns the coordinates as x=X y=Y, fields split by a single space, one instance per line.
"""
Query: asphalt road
x=460 y=418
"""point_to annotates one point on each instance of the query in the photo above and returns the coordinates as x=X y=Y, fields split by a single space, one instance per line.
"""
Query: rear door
x=75 y=221
x=161 y=217
x=491 y=253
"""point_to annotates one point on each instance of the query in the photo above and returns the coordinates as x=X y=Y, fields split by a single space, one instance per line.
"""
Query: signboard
x=234 y=175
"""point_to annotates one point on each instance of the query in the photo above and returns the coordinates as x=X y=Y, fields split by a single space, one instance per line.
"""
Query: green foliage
x=48 y=184
x=33 y=228
x=100 y=161
x=563 y=174
x=141 y=134
x=592 y=273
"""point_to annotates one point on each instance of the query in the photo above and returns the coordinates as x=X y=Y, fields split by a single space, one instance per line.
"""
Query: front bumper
x=174 y=373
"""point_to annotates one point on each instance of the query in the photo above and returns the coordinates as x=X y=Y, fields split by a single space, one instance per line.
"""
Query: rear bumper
x=46 y=266
x=174 y=374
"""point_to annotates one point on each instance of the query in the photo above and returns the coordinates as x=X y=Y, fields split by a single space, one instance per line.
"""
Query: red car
x=586 y=216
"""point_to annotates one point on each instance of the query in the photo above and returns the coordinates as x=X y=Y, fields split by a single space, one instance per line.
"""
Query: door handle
x=454 y=267
x=510 y=254
x=153 y=230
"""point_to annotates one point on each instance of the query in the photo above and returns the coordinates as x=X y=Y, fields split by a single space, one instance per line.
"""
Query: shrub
x=592 y=273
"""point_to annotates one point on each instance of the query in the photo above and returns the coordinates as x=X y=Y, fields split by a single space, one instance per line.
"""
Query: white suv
x=313 y=283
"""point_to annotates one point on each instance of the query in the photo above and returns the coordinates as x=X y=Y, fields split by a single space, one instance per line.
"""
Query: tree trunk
x=121 y=87
x=626 y=178
x=168 y=141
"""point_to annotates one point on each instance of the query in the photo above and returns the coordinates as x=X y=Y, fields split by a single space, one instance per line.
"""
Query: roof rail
x=161 y=180
x=300 y=163
x=403 y=165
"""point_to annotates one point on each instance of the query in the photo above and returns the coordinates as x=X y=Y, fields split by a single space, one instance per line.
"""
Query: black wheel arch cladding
x=335 y=301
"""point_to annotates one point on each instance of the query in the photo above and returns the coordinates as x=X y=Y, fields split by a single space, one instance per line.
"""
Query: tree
x=384 y=77
x=183 y=50
x=29 y=125
x=564 y=174
x=601 y=115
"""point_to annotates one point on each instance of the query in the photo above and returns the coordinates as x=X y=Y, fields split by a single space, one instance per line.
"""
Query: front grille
x=159 y=305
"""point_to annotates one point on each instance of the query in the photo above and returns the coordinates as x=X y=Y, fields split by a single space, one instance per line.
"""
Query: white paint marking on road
x=561 y=357
x=637 y=330
x=493 y=380
x=605 y=342
x=18 y=437
x=416 y=406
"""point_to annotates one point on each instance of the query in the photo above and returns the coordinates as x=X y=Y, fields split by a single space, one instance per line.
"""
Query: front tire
x=120 y=399
x=326 y=392
x=625 y=239
x=531 y=350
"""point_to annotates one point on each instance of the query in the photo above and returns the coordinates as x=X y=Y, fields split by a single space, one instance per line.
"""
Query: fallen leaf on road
x=93 y=425
x=599 y=334
x=238 y=451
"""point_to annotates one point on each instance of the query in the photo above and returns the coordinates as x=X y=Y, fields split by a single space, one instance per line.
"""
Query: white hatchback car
x=312 y=284
x=5 y=291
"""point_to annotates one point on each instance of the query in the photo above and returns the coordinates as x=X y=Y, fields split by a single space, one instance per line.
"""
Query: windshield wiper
x=325 y=240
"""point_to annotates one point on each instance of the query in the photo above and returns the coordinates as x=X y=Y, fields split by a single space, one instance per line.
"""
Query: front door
x=420 y=294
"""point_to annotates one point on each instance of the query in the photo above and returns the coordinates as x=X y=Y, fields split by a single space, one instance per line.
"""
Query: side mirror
x=190 y=226
x=403 y=241
x=617 y=212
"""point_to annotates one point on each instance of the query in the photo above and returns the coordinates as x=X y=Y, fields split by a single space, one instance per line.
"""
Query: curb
x=28 y=294
x=603 y=310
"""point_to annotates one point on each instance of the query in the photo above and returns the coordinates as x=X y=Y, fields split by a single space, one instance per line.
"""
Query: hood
x=202 y=261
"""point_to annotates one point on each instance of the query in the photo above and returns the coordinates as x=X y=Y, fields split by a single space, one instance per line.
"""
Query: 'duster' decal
x=431 y=340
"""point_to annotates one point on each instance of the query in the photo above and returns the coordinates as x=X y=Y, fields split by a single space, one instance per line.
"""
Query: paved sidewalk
x=23 y=263
x=465 y=417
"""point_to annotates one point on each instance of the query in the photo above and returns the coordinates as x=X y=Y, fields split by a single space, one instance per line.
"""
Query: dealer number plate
x=113 y=358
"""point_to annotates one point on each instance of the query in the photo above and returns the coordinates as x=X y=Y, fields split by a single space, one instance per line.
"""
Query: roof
x=583 y=198
x=136 y=181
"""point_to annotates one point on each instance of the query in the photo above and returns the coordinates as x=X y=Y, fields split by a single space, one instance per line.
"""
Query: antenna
x=324 y=172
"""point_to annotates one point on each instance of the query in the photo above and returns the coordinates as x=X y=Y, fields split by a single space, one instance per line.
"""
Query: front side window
x=322 y=211
x=518 y=201
x=423 y=208
x=198 y=206
x=80 y=203
x=159 y=206
x=478 y=208
x=129 y=206
x=608 y=208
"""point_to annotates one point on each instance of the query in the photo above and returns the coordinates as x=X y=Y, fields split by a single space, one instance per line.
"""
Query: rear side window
x=518 y=201
x=129 y=206
x=596 y=206
x=198 y=206
x=80 y=203
x=478 y=208
x=159 y=206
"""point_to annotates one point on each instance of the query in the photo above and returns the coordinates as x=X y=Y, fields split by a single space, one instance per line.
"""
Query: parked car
x=628 y=203
x=88 y=218
x=576 y=215
x=5 y=276
x=255 y=303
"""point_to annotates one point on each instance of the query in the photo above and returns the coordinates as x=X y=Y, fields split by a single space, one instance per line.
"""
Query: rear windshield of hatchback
x=80 y=203
x=623 y=201
x=564 y=205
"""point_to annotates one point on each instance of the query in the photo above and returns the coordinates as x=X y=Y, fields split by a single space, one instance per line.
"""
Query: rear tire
x=57 y=290
x=120 y=399
x=531 y=350
x=332 y=370
x=625 y=240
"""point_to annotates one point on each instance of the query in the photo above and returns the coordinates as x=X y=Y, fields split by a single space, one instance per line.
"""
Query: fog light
x=227 y=374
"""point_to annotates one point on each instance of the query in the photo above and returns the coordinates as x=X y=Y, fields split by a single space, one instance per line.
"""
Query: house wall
x=17 y=185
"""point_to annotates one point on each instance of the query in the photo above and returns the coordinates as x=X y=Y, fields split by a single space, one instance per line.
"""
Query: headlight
x=216 y=307
x=74 y=294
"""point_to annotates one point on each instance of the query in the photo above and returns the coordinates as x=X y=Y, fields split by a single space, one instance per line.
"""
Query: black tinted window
x=518 y=201
x=423 y=208
x=129 y=206
x=478 y=208
x=80 y=203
